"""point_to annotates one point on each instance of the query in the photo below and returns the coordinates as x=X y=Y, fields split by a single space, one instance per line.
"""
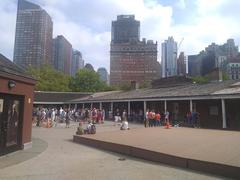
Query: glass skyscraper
x=33 y=38
x=169 y=58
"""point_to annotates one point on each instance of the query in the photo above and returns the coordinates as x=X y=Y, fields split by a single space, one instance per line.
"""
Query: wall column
x=91 y=106
x=111 y=108
x=144 y=108
x=129 y=108
x=191 y=106
x=165 y=106
x=224 y=114
x=100 y=105
x=83 y=106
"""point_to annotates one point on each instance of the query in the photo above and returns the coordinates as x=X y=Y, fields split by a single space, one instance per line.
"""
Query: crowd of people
x=153 y=119
x=192 y=119
x=53 y=116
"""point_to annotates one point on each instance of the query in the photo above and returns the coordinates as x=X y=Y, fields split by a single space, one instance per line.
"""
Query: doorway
x=11 y=116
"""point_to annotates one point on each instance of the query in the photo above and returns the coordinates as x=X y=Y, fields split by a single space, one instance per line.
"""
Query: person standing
x=124 y=115
x=103 y=115
x=167 y=117
x=67 y=118
x=53 y=117
x=146 y=121
x=158 y=118
x=117 y=116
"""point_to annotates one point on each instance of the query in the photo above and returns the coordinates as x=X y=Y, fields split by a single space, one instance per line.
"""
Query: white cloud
x=181 y=4
x=87 y=24
x=7 y=27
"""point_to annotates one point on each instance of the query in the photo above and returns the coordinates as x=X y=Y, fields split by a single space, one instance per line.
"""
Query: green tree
x=200 y=79
x=48 y=79
x=87 y=81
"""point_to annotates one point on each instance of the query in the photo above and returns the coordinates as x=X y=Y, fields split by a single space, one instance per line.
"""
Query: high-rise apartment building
x=62 y=54
x=77 y=62
x=33 y=38
x=131 y=60
x=169 y=58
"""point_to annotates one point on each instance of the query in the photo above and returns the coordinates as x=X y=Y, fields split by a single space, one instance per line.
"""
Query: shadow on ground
x=23 y=155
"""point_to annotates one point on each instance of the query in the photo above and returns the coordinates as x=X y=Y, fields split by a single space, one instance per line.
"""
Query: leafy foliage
x=225 y=76
x=48 y=79
x=86 y=80
x=200 y=79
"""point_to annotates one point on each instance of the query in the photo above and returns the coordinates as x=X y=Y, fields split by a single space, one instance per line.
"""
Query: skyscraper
x=181 y=64
x=131 y=60
x=125 y=29
x=62 y=54
x=89 y=67
x=169 y=58
x=103 y=74
x=33 y=38
x=77 y=62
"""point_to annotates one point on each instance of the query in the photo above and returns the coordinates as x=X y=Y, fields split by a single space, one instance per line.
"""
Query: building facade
x=233 y=70
x=77 y=62
x=181 y=64
x=33 y=38
x=103 y=74
x=16 y=102
x=62 y=54
x=131 y=60
x=169 y=58
x=89 y=67
x=214 y=56
x=125 y=28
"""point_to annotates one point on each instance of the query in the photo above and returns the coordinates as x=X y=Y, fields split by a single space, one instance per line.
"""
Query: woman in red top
x=158 y=117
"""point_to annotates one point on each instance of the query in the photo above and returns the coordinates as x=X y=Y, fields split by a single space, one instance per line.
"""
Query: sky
x=87 y=23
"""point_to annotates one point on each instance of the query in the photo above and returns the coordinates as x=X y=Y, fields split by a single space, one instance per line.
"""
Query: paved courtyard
x=55 y=156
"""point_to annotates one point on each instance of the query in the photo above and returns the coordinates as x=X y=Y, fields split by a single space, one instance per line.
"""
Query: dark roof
x=184 y=91
x=171 y=81
x=57 y=97
x=8 y=67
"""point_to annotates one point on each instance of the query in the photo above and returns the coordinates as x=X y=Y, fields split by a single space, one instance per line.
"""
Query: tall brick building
x=130 y=58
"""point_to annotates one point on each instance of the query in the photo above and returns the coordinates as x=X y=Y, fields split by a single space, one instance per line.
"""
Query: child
x=80 y=130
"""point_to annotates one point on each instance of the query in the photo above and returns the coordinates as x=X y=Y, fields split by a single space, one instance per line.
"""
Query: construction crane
x=179 y=45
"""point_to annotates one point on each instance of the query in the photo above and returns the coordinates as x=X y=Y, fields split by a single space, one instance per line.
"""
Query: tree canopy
x=86 y=80
x=48 y=79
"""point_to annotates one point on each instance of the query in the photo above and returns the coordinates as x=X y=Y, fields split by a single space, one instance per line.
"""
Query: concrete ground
x=208 y=145
x=55 y=156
